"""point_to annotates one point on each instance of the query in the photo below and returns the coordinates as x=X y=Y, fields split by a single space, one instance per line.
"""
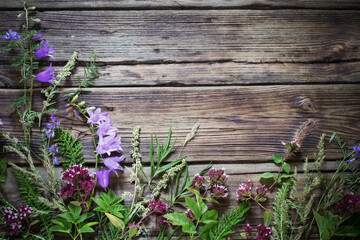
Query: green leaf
x=194 y=191
x=277 y=158
x=267 y=175
x=194 y=207
x=205 y=230
x=182 y=220
x=58 y=228
x=132 y=231
x=267 y=217
x=286 y=167
x=3 y=166
x=213 y=200
x=115 y=221
x=332 y=137
x=347 y=231
x=209 y=216
x=285 y=175
x=75 y=210
x=322 y=226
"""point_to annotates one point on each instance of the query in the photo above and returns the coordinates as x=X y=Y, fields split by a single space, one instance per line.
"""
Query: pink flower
x=219 y=191
x=217 y=176
x=264 y=233
x=244 y=191
x=190 y=215
x=158 y=206
x=162 y=220
x=198 y=182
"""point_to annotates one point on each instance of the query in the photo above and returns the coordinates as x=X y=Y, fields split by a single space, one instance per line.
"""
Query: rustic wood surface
x=252 y=72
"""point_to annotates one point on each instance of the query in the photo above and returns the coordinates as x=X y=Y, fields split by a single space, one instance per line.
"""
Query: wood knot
x=307 y=105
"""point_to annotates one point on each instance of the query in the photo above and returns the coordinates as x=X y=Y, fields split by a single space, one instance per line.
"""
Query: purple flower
x=103 y=177
x=198 y=182
x=47 y=75
x=24 y=210
x=113 y=162
x=106 y=128
x=244 y=191
x=356 y=152
x=217 y=176
x=162 y=220
x=44 y=50
x=219 y=191
x=190 y=215
x=96 y=117
x=12 y=35
x=350 y=203
x=248 y=230
x=54 y=149
x=158 y=206
x=109 y=144
x=37 y=37
x=261 y=193
x=50 y=132
x=264 y=233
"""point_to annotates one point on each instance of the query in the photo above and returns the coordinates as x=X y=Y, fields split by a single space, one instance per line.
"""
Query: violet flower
x=106 y=128
x=198 y=182
x=45 y=51
x=12 y=35
x=50 y=132
x=103 y=177
x=54 y=149
x=47 y=75
x=96 y=117
x=113 y=162
x=37 y=37
x=356 y=152
x=109 y=144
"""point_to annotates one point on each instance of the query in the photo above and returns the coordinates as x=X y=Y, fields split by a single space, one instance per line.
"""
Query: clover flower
x=55 y=123
x=103 y=177
x=219 y=191
x=264 y=233
x=37 y=37
x=109 y=144
x=158 y=207
x=12 y=35
x=47 y=75
x=350 y=203
x=244 y=191
x=198 y=182
x=44 y=50
x=96 y=117
x=217 y=176
x=190 y=215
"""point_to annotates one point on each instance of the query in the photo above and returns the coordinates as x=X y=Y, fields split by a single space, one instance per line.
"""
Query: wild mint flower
x=356 y=150
x=44 y=50
x=162 y=220
x=103 y=177
x=264 y=233
x=113 y=162
x=350 y=203
x=217 y=176
x=12 y=35
x=244 y=191
x=96 y=117
x=261 y=193
x=54 y=149
x=248 y=230
x=50 y=132
x=109 y=144
x=37 y=37
x=47 y=75
x=158 y=207
x=219 y=191
x=16 y=220
x=24 y=211
x=198 y=182
x=190 y=215
x=106 y=128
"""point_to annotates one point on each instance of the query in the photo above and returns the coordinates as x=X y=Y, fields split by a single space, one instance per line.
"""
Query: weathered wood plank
x=238 y=124
x=111 y=4
x=193 y=74
x=187 y=36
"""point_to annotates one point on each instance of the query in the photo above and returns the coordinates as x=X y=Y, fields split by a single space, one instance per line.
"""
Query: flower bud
x=75 y=98
x=81 y=104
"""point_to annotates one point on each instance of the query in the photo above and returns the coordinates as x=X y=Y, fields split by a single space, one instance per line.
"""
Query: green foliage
x=73 y=219
x=3 y=167
x=70 y=148
x=162 y=236
x=110 y=232
x=280 y=176
x=229 y=220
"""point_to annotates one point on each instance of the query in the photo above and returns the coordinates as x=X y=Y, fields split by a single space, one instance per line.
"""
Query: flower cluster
x=11 y=35
x=50 y=131
x=263 y=232
x=190 y=215
x=41 y=52
x=16 y=220
x=54 y=150
x=79 y=183
x=244 y=192
x=108 y=143
x=160 y=208
x=217 y=179
x=350 y=203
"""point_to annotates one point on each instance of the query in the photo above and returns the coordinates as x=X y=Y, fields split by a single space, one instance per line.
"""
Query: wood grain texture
x=110 y=4
x=237 y=124
x=203 y=74
x=191 y=36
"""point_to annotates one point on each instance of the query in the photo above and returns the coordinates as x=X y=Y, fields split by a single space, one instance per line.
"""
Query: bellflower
x=113 y=162
x=37 y=37
x=12 y=35
x=108 y=144
x=44 y=50
x=103 y=177
x=96 y=117
x=106 y=128
x=50 y=132
x=47 y=75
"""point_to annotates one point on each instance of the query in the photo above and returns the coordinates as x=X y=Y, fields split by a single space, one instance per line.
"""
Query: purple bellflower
x=96 y=117
x=113 y=162
x=47 y=75
x=106 y=128
x=50 y=131
x=37 y=37
x=44 y=50
x=109 y=144
x=103 y=177
x=356 y=152
x=12 y=35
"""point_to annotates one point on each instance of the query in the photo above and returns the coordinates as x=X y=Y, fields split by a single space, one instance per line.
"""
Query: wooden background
x=252 y=72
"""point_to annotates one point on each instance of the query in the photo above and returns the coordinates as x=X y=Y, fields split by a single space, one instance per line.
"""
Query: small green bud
x=31 y=8
x=91 y=108
x=81 y=104
x=35 y=19
x=75 y=98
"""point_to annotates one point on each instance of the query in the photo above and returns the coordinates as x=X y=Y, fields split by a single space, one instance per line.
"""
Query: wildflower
x=24 y=210
x=54 y=149
x=264 y=233
x=217 y=176
x=47 y=75
x=356 y=152
x=109 y=144
x=44 y=50
x=198 y=182
x=190 y=215
x=219 y=191
x=50 y=131
x=350 y=203
x=96 y=117
x=1 y=123
x=248 y=230
x=12 y=35
x=158 y=206
x=103 y=177
x=261 y=193
x=113 y=162
x=16 y=220
x=162 y=220
x=67 y=191
x=37 y=37
x=106 y=128
x=244 y=191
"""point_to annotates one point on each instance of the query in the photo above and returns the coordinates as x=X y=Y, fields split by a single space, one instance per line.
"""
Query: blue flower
x=54 y=149
x=12 y=35
x=356 y=152
x=50 y=131
x=37 y=37
x=47 y=75
x=44 y=50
